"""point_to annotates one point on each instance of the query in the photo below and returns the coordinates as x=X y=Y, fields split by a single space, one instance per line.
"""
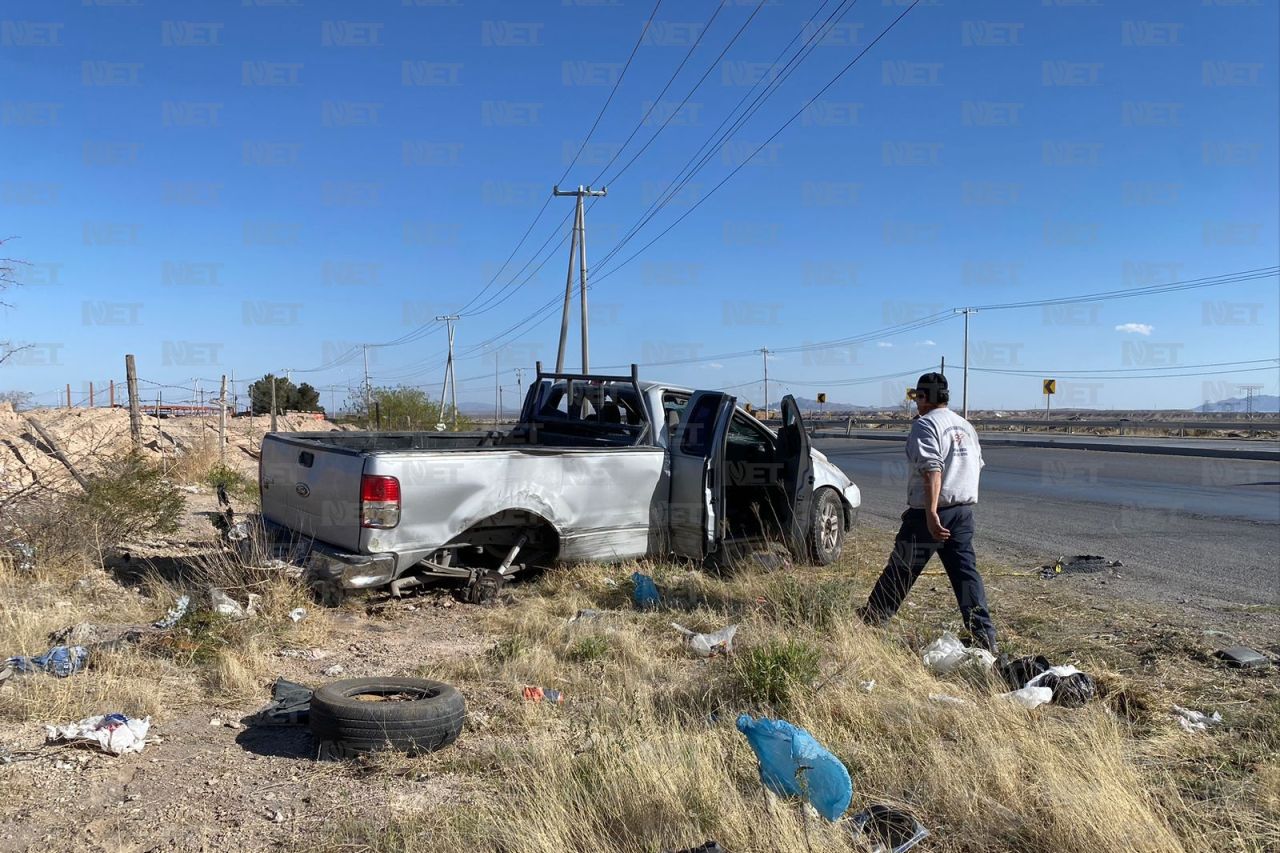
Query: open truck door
x=695 y=510
x=797 y=475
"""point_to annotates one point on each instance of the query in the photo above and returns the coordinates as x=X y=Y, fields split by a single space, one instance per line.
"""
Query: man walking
x=943 y=459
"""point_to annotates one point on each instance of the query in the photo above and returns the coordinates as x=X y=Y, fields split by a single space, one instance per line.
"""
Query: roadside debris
x=1069 y=687
x=1195 y=721
x=645 y=595
x=893 y=830
x=794 y=764
x=708 y=645
x=113 y=733
x=1080 y=564
x=59 y=661
x=585 y=615
x=947 y=654
x=410 y=715
x=334 y=671
x=297 y=614
x=952 y=701
x=867 y=686
x=1030 y=697
x=290 y=705
x=1243 y=657
x=225 y=605
x=174 y=614
x=543 y=694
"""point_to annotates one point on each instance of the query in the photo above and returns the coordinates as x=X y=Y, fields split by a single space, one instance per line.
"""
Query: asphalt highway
x=1192 y=530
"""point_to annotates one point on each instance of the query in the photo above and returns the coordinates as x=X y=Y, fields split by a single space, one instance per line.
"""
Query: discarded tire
x=411 y=715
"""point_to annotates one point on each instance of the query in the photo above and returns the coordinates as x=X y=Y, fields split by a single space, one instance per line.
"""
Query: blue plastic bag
x=646 y=595
x=59 y=661
x=793 y=764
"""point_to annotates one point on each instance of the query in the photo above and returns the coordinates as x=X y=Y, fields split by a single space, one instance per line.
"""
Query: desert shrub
x=238 y=485
x=508 y=648
x=820 y=605
x=129 y=500
x=771 y=674
x=587 y=649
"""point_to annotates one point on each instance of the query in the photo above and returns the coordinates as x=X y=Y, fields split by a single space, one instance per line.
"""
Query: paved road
x=1202 y=530
x=1229 y=448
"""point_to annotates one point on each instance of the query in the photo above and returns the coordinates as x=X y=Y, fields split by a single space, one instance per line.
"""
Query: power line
x=1190 y=284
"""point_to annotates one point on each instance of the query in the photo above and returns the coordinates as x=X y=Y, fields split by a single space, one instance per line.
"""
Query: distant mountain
x=1261 y=403
x=811 y=405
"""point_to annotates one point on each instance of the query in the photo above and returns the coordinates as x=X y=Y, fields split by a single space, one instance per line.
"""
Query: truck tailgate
x=312 y=489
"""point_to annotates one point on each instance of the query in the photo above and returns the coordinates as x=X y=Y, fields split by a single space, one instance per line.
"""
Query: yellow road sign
x=822 y=398
x=1051 y=386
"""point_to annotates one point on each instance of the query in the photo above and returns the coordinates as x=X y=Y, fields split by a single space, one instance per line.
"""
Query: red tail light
x=379 y=501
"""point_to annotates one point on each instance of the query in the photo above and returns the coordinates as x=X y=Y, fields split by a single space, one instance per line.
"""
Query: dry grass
x=206 y=657
x=644 y=755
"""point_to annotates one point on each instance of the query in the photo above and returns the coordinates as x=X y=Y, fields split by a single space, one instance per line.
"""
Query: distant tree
x=306 y=399
x=406 y=408
x=18 y=399
x=260 y=394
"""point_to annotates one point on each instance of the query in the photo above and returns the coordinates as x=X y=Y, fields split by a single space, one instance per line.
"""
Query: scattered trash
x=334 y=671
x=585 y=615
x=1243 y=657
x=947 y=654
x=224 y=605
x=543 y=694
x=1018 y=672
x=895 y=830
x=708 y=847
x=1030 y=697
x=59 y=661
x=24 y=556
x=252 y=600
x=645 y=595
x=114 y=733
x=304 y=654
x=1196 y=721
x=793 y=763
x=175 y=613
x=297 y=614
x=290 y=705
x=1084 y=564
x=708 y=645
x=1071 y=688
x=953 y=701
x=867 y=686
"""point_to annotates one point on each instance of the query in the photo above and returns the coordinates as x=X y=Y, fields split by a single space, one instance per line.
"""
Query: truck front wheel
x=826 y=527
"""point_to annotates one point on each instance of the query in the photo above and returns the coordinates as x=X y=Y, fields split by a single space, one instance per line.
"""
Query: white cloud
x=926 y=343
x=1136 y=328
x=883 y=344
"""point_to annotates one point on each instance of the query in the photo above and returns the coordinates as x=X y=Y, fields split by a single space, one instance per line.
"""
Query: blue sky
x=243 y=187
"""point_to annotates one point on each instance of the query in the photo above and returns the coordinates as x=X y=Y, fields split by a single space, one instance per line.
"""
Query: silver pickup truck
x=598 y=468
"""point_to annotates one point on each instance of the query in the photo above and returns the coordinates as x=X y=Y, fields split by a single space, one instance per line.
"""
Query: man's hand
x=936 y=530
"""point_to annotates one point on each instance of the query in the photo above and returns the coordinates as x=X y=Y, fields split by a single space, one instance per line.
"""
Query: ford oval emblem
x=302 y=489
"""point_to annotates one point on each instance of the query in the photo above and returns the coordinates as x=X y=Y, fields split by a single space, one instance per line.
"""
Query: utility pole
x=764 y=352
x=450 y=383
x=497 y=392
x=965 y=380
x=273 y=402
x=367 y=408
x=578 y=252
x=222 y=422
x=519 y=386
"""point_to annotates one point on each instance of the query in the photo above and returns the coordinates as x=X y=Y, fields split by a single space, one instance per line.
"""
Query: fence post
x=222 y=422
x=135 y=406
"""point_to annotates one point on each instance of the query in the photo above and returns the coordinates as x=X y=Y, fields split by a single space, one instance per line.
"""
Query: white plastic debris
x=585 y=615
x=708 y=645
x=952 y=701
x=297 y=614
x=947 y=654
x=175 y=613
x=1030 y=697
x=114 y=733
x=251 y=606
x=1059 y=671
x=225 y=605
x=334 y=671
x=1196 y=721
x=867 y=686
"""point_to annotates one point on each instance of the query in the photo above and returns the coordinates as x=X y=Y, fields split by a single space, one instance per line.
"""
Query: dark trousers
x=913 y=547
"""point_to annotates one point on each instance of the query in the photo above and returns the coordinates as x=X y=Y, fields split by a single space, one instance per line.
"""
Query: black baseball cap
x=932 y=388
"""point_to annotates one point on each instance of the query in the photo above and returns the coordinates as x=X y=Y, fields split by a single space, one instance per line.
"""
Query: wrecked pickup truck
x=598 y=468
